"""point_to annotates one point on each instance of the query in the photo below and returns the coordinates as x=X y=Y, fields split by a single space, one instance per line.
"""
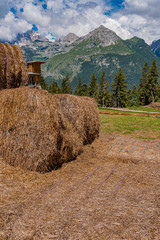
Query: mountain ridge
x=99 y=50
x=69 y=38
x=92 y=55
x=106 y=35
x=27 y=38
x=156 y=47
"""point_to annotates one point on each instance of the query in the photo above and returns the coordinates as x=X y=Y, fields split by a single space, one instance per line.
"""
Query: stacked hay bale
x=155 y=105
x=40 y=131
x=13 y=70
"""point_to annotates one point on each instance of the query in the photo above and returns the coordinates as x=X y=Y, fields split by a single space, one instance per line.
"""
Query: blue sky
x=56 y=18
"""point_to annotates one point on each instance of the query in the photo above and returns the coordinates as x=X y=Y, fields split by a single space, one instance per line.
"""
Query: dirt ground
x=110 y=192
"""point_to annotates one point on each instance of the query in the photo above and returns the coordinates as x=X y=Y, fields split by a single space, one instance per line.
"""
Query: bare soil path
x=129 y=110
x=110 y=192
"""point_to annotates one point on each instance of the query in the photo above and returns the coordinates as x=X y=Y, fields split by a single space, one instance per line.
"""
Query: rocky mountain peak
x=29 y=37
x=36 y=36
x=69 y=39
x=105 y=35
x=101 y=27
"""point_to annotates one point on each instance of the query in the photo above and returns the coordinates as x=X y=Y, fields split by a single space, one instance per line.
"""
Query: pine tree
x=129 y=94
x=134 y=95
x=77 y=90
x=119 y=90
x=101 y=93
x=104 y=96
x=107 y=95
x=54 y=88
x=44 y=84
x=142 y=94
x=158 y=92
x=83 y=90
x=66 y=85
x=152 y=83
x=93 y=87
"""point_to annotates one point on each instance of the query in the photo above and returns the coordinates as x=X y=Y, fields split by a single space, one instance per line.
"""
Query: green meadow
x=145 y=127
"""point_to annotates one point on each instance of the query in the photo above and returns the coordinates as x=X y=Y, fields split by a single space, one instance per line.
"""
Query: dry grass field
x=110 y=192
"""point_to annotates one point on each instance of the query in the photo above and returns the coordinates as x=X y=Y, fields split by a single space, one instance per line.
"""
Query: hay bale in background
x=13 y=70
x=40 y=131
x=155 y=105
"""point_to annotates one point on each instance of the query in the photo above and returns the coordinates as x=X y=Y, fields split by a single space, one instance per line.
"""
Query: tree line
x=118 y=94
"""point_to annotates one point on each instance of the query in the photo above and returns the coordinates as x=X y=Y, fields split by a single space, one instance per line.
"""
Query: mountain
x=69 y=39
x=156 y=47
x=103 y=36
x=40 y=50
x=29 y=37
x=37 y=47
x=100 y=50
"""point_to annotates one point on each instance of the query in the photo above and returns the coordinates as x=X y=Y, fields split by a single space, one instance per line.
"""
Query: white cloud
x=147 y=8
x=80 y=17
x=134 y=21
x=117 y=28
x=4 y=8
x=11 y=26
x=56 y=6
x=141 y=18
x=50 y=37
x=138 y=17
x=35 y=15
x=140 y=4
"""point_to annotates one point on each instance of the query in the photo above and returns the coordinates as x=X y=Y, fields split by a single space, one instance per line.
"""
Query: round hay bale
x=21 y=67
x=81 y=113
x=10 y=69
x=3 y=67
x=13 y=70
x=40 y=131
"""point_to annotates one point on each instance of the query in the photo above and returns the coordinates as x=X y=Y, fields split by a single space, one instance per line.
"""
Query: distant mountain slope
x=43 y=50
x=29 y=37
x=37 y=47
x=104 y=35
x=156 y=47
x=101 y=50
x=69 y=39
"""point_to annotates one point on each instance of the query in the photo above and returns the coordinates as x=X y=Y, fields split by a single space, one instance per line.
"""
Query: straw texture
x=13 y=71
x=40 y=131
x=43 y=207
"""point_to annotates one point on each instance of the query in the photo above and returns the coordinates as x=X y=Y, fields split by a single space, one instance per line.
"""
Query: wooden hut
x=34 y=72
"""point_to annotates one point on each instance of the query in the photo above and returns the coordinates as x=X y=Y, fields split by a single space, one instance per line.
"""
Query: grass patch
x=135 y=126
